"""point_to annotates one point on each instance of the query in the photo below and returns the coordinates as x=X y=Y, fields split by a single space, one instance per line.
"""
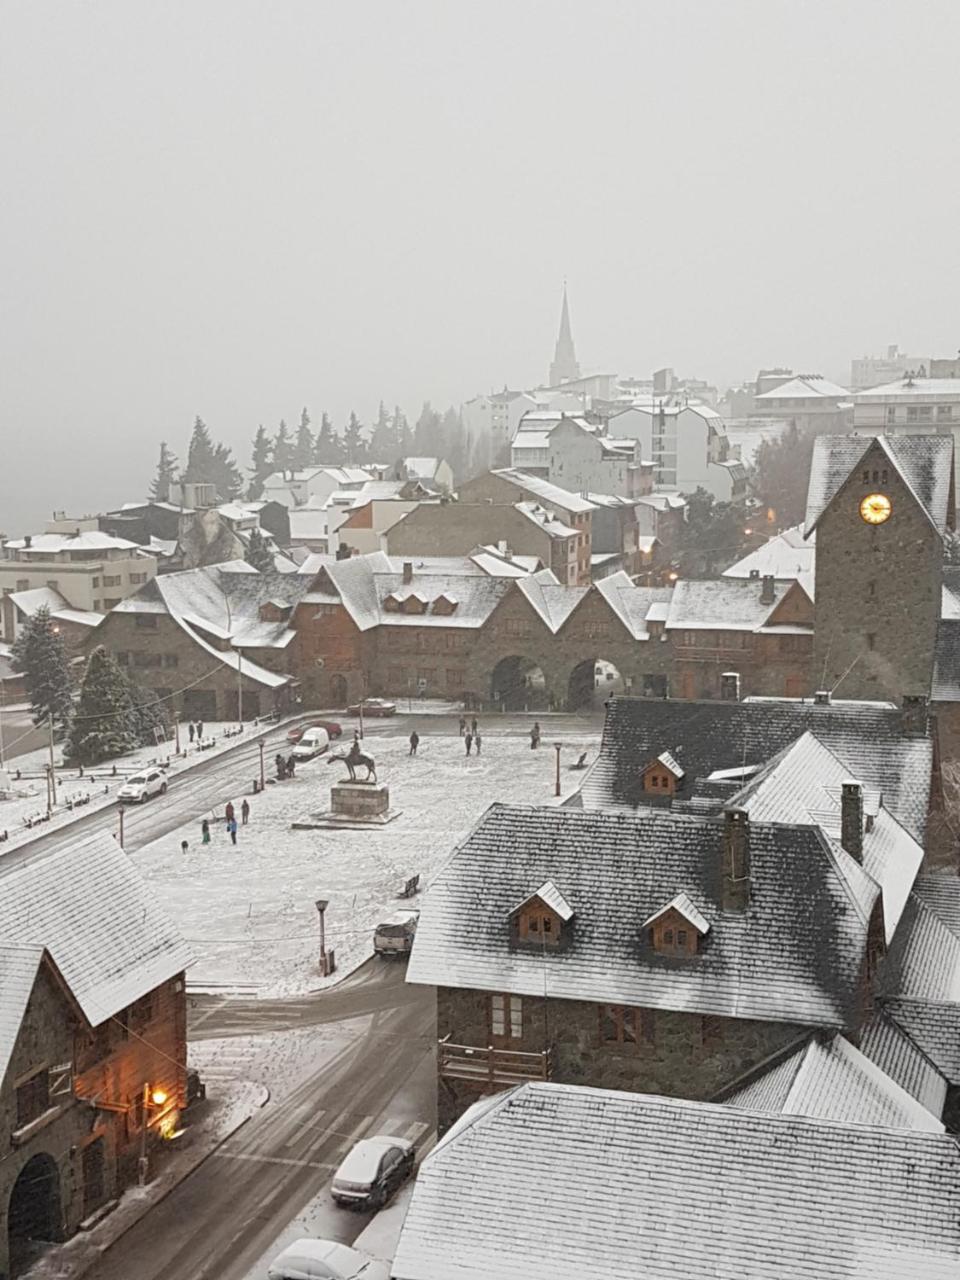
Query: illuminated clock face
x=875 y=508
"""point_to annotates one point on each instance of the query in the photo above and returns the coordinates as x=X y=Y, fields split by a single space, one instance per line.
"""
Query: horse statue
x=354 y=759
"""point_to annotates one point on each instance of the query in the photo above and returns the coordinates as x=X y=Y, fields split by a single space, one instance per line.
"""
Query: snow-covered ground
x=27 y=797
x=248 y=912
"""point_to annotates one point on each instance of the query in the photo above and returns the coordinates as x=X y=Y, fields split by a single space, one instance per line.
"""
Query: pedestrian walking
x=414 y=742
x=232 y=829
x=463 y=725
x=473 y=726
x=535 y=736
x=245 y=811
x=199 y=730
x=291 y=765
x=205 y=832
x=191 y=729
x=468 y=739
x=184 y=846
x=228 y=812
x=476 y=741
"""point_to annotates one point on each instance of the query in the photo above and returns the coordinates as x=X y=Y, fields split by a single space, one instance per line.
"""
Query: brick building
x=93 y=1043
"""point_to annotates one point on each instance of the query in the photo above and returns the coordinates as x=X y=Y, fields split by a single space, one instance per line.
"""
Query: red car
x=373 y=707
x=333 y=729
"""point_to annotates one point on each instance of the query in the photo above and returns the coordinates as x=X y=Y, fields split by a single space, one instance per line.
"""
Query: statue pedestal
x=353 y=805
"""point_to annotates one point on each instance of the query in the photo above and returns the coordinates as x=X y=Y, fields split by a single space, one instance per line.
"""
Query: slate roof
x=924 y=462
x=566 y=1182
x=550 y=895
x=681 y=904
x=889 y=1046
x=18 y=972
x=788 y=555
x=635 y=606
x=87 y=905
x=544 y=491
x=794 y=955
x=832 y=1080
x=706 y=736
x=945 y=686
x=724 y=604
x=552 y=602
x=940 y=892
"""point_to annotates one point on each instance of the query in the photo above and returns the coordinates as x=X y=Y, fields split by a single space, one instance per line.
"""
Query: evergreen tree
x=261 y=463
x=353 y=441
x=712 y=537
x=403 y=434
x=282 y=448
x=147 y=715
x=383 y=438
x=327 y=447
x=427 y=434
x=258 y=553
x=38 y=652
x=200 y=465
x=780 y=474
x=452 y=441
x=227 y=476
x=303 y=445
x=103 y=727
x=166 y=474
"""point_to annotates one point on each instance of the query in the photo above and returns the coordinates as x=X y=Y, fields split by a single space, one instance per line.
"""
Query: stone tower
x=564 y=365
x=881 y=508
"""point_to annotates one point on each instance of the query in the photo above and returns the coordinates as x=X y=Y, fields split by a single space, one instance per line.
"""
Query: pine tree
x=38 y=652
x=148 y=714
x=326 y=446
x=427 y=442
x=451 y=443
x=383 y=437
x=258 y=553
x=227 y=476
x=200 y=467
x=166 y=474
x=403 y=433
x=353 y=441
x=261 y=463
x=282 y=448
x=303 y=445
x=103 y=727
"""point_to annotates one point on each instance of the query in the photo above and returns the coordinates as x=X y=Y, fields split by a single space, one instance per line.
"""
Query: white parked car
x=310 y=1259
x=152 y=782
x=313 y=743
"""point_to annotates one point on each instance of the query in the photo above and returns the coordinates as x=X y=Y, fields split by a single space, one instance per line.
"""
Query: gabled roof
x=868 y=738
x=550 y=896
x=724 y=604
x=552 y=602
x=787 y=555
x=668 y=762
x=804 y=388
x=923 y=462
x=684 y=907
x=87 y=905
x=566 y=1182
x=793 y=956
x=889 y=1046
x=19 y=967
x=832 y=1080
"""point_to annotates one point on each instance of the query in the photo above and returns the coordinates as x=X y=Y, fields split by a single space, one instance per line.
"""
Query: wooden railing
x=498 y=1068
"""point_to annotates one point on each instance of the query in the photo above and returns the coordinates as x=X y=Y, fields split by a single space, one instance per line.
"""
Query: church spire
x=564 y=365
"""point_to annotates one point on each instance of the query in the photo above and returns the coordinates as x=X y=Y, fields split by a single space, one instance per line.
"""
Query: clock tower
x=881 y=509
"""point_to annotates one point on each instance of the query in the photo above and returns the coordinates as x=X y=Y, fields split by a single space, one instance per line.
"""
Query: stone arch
x=34 y=1213
x=591 y=682
x=518 y=684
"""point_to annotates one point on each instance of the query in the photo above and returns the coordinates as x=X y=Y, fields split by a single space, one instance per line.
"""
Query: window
x=891 y=413
x=112 y=579
x=112 y=603
x=147 y=659
x=137 y=578
x=944 y=411
x=506 y=1017
x=618 y=1024
x=872 y=588
x=96 y=606
x=456 y=679
x=33 y=1097
x=95 y=583
x=145 y=621
x=536 y=923
x=23 y=584
x=516 y=627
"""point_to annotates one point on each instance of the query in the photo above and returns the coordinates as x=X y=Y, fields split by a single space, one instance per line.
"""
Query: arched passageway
x=591 y=683
x=518 y=684
x=33 y=1215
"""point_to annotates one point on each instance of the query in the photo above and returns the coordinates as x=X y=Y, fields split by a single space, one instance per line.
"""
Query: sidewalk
x=222 y=1117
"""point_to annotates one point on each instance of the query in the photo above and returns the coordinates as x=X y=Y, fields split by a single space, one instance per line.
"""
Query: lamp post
x=556 y=747
x=322 y=904
x=263 y=781
x=156 y=1098
x=120 y=816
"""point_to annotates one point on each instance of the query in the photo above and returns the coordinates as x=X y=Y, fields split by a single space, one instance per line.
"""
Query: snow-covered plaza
x=249 y=911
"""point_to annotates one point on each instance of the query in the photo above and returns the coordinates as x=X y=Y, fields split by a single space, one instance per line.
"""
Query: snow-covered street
x=248 y=912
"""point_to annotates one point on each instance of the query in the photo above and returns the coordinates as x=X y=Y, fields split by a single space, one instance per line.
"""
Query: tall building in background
x=565 y=364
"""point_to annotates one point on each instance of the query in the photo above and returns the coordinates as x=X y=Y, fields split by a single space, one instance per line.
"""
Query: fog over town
x=479 y=640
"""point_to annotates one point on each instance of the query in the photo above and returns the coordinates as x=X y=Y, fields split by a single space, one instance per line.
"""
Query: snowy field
x=248 y=912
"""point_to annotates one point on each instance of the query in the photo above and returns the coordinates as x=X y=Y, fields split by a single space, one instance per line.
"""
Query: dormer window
x=391 y=603
x=677 y=929
x=414 y=603
x=445 y=604
x=662 y=776
x=544 y=919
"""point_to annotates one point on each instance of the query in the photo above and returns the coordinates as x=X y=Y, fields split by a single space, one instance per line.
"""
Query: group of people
x=285 y=767
x=470 y=733
x=230 y=822
x=195 y=729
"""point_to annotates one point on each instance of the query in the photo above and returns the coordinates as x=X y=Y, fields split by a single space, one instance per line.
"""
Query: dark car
x=372 y=1171
x=333 y=729
x=374 y=707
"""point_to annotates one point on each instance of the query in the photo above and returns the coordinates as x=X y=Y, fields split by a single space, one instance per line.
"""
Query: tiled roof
x=725 y=604
x=706 y=736
x=924 y=463
x=939 y=891
x=897 y=1056
x=786 y=556
x=934 y=1027
x=634 y=606
x=552 y=602
x=793 y=956
x=18 y=972
x=87 y=905
x=550 y=895
x=681 y=904
x=832 y=1080
x=945 y=686
x=564 y=1182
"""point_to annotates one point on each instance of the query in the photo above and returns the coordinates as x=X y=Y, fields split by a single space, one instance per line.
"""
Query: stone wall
x=677 y=1054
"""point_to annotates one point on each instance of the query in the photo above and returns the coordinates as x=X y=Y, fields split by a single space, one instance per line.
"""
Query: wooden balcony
x=495 y=1068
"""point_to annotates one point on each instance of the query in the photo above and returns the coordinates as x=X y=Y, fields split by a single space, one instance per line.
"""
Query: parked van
x=394 y=936
x=313 y=743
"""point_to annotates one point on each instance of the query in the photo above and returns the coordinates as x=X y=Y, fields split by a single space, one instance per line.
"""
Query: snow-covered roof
x=786 y=555
x=724 y=604
x=553 y=602
x=88 y=906
x=500 y=565
x=804 y=389
x=832 y=1080
x=550 y=896
x=571 y=1182
x=18 y=972
x=530 y=440
x=30 y=602
x=547 y=520
x=92 y=542
x=887 y=1045
x=910 y=389
x=545 y=491
x=422 y=468
x=684 y=907
x=663 y=501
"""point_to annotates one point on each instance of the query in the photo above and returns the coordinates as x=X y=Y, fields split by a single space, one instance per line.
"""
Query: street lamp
x=321 y=905
x=151 y=1098
x=120 y=816
x=263 y=781
x=556 y=747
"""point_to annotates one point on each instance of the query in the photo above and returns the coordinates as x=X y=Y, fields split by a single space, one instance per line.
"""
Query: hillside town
x=515 y=838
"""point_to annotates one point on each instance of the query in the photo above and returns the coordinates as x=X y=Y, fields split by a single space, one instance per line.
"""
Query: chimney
x=851 y=818
x=755 y=575
x=913 y=716
x=407 y=572
x=821 y=698
x=730 y=686
x=27 y=540
x=767 y=590
x=736 y=860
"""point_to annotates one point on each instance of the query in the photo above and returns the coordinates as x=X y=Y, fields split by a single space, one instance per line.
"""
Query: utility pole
x=263 y=780
x=2 y=760
x=239 y=691
x=120 y=815
x=556 y=747
x=52 y=781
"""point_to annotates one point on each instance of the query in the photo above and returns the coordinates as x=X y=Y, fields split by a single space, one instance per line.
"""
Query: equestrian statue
x=355 y=759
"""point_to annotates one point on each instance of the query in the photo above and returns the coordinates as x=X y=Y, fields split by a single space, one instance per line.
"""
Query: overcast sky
x=235 y=208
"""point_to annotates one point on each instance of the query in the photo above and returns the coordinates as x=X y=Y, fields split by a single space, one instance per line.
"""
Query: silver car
x=372 y=1171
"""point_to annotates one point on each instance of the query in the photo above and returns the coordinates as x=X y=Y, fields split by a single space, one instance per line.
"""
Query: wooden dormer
x=677 y=929
x=414 y=603
x=274 y=611
x=795 y=608
x=445 y=604
x=544 y=919
x=663 y=776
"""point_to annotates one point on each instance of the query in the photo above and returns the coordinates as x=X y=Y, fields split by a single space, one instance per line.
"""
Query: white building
x=912 y=406
x=876 y=371
x=577 y=455
x=314 y=485
x=687 y=442
x=490 y=422
x=808 y=400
